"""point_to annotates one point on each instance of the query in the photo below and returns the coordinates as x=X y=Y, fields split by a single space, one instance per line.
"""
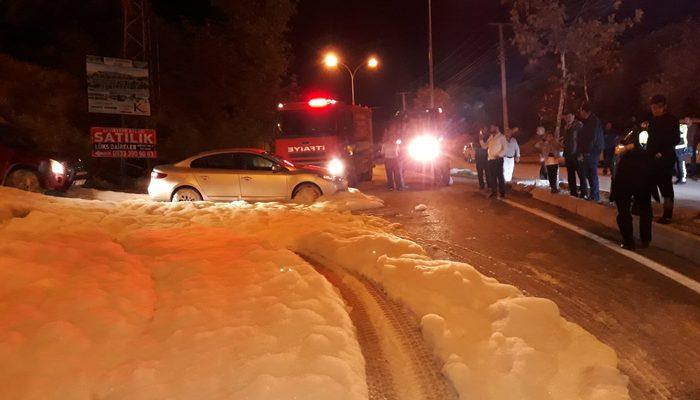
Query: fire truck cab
x=327 y=133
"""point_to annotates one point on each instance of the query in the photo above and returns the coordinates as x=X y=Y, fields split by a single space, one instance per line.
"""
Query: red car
x=24 y=167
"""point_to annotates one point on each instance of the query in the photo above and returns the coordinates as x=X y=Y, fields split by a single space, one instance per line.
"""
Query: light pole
x=430 y=54
x=332 y=61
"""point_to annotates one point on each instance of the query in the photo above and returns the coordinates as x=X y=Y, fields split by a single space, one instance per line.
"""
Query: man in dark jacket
x=633 y=182
x=572 y=127
x=481 y=156
x=610 y=137
x=589 y=145
x=664 y=135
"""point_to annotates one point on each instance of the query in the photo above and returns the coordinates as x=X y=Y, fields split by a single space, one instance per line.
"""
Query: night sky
x=395 y=30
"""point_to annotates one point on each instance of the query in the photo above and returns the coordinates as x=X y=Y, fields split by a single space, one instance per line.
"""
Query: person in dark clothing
x=664 y=134
x=589 y=144
x=572 y=127
x=633 y=182
x=482 y=157
x=610 y=141
x=693 y=140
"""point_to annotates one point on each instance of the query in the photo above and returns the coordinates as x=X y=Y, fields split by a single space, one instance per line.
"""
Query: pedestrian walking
x=481 y=155
x=633 y=184
x=496 y=149
x=572 y=127
x=391 y=150
x=551 y=152
x=664 y=135
x=589 y=146
x=610 y=139
x=512 y=156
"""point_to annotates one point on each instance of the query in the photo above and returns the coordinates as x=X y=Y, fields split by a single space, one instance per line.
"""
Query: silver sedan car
x=241 y=174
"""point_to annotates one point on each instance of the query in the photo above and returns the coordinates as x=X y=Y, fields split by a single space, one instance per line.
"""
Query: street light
x=331 y=61
x=372 y=63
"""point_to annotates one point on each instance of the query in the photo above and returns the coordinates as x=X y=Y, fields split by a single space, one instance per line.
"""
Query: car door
x=217 y=176
x=259 y=180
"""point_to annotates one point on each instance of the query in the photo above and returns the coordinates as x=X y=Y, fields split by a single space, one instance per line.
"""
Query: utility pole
x=430 y=54
x=136 y=30
x=403 y=101
x=502 y=61
x=136 y=45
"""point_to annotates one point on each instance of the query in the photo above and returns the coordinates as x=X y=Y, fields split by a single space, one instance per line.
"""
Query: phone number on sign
x=125 y=154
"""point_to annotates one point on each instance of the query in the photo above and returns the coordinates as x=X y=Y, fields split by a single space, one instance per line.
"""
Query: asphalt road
x=651 y=321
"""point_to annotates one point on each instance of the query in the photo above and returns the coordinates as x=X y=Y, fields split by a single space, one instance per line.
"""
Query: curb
x=680 y=243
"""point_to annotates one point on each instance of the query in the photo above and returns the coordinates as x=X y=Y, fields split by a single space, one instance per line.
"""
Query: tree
x=421 y=99
x=677 y=72
x=545 y=28
x=43 y=103
x=221 y=65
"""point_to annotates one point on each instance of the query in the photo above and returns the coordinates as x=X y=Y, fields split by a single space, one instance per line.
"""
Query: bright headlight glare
x=57 y=168
x=424 y=148
x=336 y=167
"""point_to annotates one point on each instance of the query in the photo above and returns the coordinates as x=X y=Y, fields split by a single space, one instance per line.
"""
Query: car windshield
x=12 y=137
x=299 y=123
x=280 y=160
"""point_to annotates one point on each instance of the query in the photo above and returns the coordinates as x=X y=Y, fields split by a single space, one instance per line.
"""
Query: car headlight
x=336 y=167
x=424 y=148
x=57 y=168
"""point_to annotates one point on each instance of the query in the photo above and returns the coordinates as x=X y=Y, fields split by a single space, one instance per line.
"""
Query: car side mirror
x=277 y=168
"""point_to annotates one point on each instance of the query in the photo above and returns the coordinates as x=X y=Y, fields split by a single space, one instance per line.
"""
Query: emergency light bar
x=321 y=102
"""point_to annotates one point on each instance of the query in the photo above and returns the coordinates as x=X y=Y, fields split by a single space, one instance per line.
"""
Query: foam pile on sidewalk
x=137 y=299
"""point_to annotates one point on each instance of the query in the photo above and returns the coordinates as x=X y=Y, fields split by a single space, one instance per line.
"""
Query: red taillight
x=158 y=175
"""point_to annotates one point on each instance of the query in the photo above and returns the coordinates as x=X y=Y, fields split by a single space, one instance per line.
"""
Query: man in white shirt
x=511 y=157
x=496 y=148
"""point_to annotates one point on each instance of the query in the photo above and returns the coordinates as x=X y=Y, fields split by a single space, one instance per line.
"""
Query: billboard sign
x=123 y=142
x=117 y=86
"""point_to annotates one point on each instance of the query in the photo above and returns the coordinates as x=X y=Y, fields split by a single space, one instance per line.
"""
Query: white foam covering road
x=135 y=299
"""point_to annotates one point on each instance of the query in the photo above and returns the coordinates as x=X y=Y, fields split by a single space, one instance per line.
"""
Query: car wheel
x=186 y=194
x=306 y=193
x=25 y=180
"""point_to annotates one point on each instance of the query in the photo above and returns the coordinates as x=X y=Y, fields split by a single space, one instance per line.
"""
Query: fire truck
x=327 y=133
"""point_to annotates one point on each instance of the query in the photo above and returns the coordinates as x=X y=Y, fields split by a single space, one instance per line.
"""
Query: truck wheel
x=442 y=177
x=367 y=175
x=25 y=180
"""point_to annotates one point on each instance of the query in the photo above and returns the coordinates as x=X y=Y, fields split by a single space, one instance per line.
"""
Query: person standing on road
x=633 y=183
x=540 y=132
x=391 y=150
x=512 y=156
x=550 y=151
x=610 y=141
x=496 y=149
x=589 y=146
x=664 y=136
x=682 y=153
x=693 y=139
x=482 y=157
x=572 y=127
